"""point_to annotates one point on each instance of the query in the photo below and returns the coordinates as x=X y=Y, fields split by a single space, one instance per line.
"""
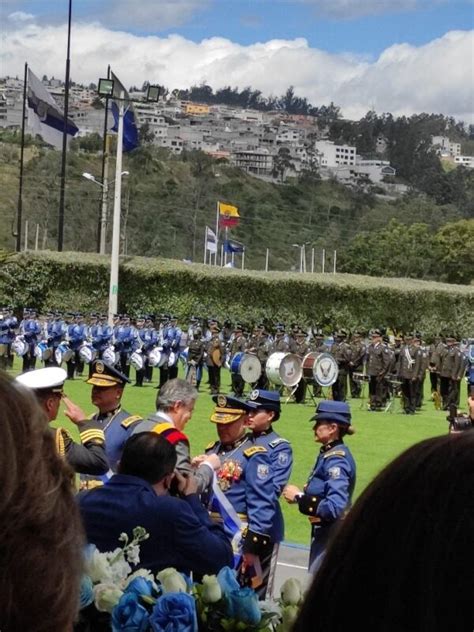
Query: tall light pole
x=114 y=264
x=63 y=159
x=103 y=217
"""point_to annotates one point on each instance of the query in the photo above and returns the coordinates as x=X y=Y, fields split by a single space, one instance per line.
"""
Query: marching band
x=300 y=360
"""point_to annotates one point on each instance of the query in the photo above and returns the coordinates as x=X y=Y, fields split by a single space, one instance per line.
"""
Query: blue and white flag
x=45 y=117
x=130 y=131
x=211 y=240
x=233 y=246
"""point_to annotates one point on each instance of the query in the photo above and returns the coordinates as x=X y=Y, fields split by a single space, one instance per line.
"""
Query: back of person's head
x=149 y=456
x=40 y=531
x=175 y=390
x=402 y=559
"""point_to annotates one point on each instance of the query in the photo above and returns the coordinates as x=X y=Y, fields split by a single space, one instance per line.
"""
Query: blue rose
x=242 y=605
x=141 y=586
x=86 y=596
x=174 y=612
x=227 y=580
x=129 y=616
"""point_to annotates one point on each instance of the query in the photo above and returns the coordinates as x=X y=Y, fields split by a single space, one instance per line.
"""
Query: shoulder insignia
x=129 y=421
x=275 y=442
x=211 y=445
x=92 y=434
x=334 y=453
x=254 y=450
x=170 y=433
x=59 y=440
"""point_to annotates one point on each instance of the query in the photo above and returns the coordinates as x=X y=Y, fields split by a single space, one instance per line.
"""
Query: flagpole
x=334 y=262
x=217 y=231
x=266 y=260
x=19 y=211
x=205 y=246
x=105 y=180
x=114 y=263
x=222 y=254
x=243 y=258
x=312 y=260
x=63 y=161
x=226 y=239
x=323 y=260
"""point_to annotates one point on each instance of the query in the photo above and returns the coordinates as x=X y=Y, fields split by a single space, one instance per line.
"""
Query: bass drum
x=284 y=369
x=43 y=352
x=156 y=357
x=308 y=365
x=325 y=369
x=247 y=366
x=109 y=356
x=20 y=346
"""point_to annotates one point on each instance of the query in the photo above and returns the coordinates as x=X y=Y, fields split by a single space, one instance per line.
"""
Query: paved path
x=292 y=562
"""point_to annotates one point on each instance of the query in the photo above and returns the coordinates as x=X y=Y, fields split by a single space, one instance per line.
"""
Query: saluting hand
x=74 y=412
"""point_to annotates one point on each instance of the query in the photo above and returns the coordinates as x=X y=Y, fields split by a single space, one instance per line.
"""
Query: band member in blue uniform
x=328 y=492
x=125 y=338
x=56 y=331
x=171 y=341
x=245 y=481
x=76 y=335
x=108 y=384
x=30 y=329
x=144 y=343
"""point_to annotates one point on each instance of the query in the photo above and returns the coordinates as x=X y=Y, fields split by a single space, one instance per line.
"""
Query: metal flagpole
x=63 y=160
x=323 y=260
x=334 y=262
x=19 y=211
x=243 y=258
x=312 y=260
x=26 y=236
x=205 y=246
x=114 y=263
x=217 y=232
x=222 y=254
x=266 y=260
x=226 y=239
x=105 y=179
x=37 y=236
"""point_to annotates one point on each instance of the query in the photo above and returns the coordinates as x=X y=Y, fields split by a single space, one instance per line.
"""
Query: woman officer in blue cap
x=328 y=492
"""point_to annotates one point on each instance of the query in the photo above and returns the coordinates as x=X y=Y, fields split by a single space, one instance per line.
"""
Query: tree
x=456 y=253
x=282 y=163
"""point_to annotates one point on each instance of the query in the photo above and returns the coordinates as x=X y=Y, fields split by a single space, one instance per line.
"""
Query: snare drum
x=284 y=369
x=109 y=356
x=87 y=353
x=20 y=346
x=308 y=365
x=136 y=360
x=43 y=352
x=360 y=377
x=63 y=353
x=156 y=357
x=247 y=366
x=325 y=369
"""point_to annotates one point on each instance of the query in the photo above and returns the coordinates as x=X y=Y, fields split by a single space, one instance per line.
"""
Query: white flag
x=45 y=117
x=211 y=240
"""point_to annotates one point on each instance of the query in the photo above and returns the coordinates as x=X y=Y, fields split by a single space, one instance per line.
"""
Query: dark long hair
x=40 y=531
x=402 y=560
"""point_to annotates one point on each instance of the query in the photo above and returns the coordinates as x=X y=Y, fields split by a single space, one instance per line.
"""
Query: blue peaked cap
x=329 y=410
x=268 y=400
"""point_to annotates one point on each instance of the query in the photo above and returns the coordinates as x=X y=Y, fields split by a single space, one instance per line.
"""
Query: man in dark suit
x=181 y=534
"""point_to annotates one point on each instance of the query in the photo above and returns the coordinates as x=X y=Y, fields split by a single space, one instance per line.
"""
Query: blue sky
x=402 y=56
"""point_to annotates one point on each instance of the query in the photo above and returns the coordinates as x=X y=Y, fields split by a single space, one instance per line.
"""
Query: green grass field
x=379 y=436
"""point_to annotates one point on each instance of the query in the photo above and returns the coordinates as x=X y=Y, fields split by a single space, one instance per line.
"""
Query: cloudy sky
x=399 y=56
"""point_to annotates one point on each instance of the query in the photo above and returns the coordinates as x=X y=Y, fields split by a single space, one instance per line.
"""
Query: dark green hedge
x=80 y=281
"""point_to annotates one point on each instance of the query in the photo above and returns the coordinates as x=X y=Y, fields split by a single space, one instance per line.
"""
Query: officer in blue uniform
x=171 y=346
x=30 y=329
x=145 y=341
x=117 y=424
x=328 y=492
x=264 y=409
x=12 y=325
x=245 y=481
x=56 y=330
x=125 y=338
x=4 y=338
x=106 y=334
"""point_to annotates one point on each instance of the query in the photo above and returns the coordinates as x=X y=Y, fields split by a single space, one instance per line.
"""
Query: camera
x=458 y=423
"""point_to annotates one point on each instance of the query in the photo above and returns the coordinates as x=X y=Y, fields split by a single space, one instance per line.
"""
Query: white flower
x=106 y=597
x=211 y=590
x=132 y=553
x=120 y=569
x=291 y=592
x=98 y=567
x=171 y=581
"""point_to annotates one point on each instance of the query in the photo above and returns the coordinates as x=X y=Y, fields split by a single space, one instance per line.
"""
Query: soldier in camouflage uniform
x=341 y=352
x=409 y=367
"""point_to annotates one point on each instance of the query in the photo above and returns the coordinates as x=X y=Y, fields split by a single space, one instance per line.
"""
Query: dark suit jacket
x=181 y=533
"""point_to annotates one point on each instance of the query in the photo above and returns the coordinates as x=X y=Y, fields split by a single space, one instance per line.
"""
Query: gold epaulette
x=60 y=444
x=92 y=434
x=126 y=423
x=211 y=445
x=334 y=453
x=254 y=450
x=164 y=425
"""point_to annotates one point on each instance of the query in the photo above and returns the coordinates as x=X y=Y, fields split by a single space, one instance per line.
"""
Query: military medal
x=229 y=473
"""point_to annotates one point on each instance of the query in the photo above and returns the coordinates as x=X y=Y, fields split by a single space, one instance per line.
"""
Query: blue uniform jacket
x=125 y=337
x=181 y=534
x=328 y=492
x=245 y=477
x=117 y=426
x=4 y=332
x=76 y=334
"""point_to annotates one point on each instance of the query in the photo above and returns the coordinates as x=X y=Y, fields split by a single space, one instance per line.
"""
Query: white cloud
x=20 y=16
x=162 y=14
x=350 y=9
x=435 y=77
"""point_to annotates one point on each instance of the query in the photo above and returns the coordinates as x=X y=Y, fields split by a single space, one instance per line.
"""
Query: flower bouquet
x=115 y=598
